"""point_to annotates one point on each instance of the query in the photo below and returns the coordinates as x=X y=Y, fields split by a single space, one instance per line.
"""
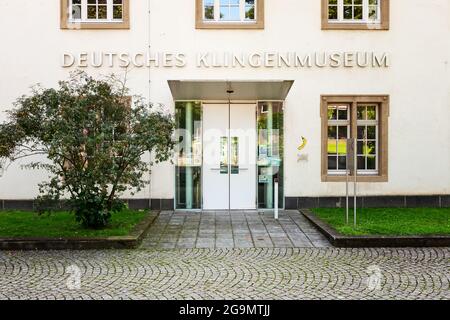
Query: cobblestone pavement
x=238 y=229
x=256 y=273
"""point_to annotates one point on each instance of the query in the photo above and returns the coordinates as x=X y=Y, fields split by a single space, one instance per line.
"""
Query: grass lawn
x=392 y=221
x=63 y=224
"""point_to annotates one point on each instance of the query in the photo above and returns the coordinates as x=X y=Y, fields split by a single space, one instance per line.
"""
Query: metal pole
x=229 y=149
x=346 y=195
x=355 y=171
x=276 y=199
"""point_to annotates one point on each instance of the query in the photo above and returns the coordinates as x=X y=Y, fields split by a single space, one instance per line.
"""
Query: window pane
x=117 y=12
x=343 y=113
x=102 y=12
x=342 y=146
x=348 y=2
x=371 y=113
x=332 y=134
x=332 y=163
x=373 y=13
x=332 y=113
x=371 y=163
x=342 y=163
x=360 y=147
x=229 y=13
x=270 y=152
x=373 y=2
x=188 y=166
x=332 y=146
x=343 y=131
x=209 y=12
x=361 y=132
x=361 y=163
x=234 y=14
x=76 y=11
x=361 y=113
x=229 y=10
x=332 y=2
x=348 y=12
x=371 y=132
x=371 y=148
x=358 y=2
x=358 y=13
x=92 y=12
x=117 y=2
x=250 y=12
x=332 y=12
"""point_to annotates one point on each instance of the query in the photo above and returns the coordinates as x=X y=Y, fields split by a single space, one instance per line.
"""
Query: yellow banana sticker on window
x=303 y=145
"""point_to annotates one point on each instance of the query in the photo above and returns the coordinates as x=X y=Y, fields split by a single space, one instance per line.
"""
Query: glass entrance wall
x=188 y=167
x=270 y=154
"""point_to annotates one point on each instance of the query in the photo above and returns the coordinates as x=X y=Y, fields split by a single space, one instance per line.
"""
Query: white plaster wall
x=418 y=80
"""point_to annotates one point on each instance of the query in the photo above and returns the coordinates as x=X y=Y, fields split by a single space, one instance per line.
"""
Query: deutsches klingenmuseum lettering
x=363 y=59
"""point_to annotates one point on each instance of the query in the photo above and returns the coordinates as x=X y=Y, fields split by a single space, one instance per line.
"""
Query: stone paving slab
x=235 y=229
x=277 y=273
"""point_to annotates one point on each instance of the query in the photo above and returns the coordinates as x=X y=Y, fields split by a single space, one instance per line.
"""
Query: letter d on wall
x=65 y=63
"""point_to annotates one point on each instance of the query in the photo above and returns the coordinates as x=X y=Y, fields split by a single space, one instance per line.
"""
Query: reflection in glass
x=371 y=113
x=333 y=12
x=361 y=163
x=189 y=155
x=343 y=113
x=270 y=153
x=117 y=12
x=342 y=163
x=332 y=132
x=343 y=132
x=332 y=146
x=371 y=162
x=358 y=13
x=209 y=9
x=234 y=158
x=223 y=155
x=332 y=165
x=332 y=113
x=229 y=10
x=371 y=132
x=361 y=113
x=250 y=9
x=348 y=12
x=102 y=12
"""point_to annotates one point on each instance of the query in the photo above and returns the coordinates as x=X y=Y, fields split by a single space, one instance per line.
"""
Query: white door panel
x=215 y=181
x=229 y=156
x=243 y=180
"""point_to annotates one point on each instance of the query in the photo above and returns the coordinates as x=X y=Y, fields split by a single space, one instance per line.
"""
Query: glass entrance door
x=229 y=156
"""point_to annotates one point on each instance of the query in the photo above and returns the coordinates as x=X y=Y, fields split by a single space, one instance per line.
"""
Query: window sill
x=359 y=178
x=95 y=25
x=354 y=26
x=229 y=25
